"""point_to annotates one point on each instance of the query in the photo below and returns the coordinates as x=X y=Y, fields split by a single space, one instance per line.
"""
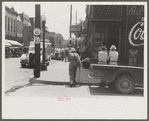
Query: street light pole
x=70 y=17
x=37 y=46
x=44 y=66
x=76 y=34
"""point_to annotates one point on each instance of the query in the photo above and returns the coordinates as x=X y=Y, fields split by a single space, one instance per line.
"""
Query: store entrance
x=109 y=34
x=113 y=36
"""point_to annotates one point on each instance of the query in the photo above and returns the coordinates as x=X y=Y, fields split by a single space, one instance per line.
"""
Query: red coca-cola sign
x=136 y=25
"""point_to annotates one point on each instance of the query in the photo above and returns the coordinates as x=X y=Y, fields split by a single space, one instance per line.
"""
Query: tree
x=52 y=39
x=58 y=40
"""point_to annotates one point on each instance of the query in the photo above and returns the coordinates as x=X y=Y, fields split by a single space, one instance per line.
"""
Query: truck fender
x=116 y=74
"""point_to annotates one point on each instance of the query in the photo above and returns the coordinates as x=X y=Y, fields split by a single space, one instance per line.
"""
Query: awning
x=7 y=44
x=14 y=42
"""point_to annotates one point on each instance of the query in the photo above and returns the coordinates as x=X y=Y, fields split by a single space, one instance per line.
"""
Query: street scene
x=21 y=83
x=91 y=51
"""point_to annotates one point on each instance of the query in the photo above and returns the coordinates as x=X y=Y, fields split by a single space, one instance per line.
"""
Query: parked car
x=7 y=52
x=28 y=59
x=57 y=54
x=16 y=51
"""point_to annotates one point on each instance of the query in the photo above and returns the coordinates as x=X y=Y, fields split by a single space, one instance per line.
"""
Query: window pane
x=8 y=23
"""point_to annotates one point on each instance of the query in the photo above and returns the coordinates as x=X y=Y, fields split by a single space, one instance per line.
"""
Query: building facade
x=119 y=25
x=19 y=30
x=10 y=23
x=20 y=27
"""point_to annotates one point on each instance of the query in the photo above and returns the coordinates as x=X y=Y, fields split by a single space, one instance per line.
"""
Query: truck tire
x=125 y=84
x=23 y=65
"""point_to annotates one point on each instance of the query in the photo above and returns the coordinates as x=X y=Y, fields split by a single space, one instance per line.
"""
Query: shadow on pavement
x=112 y=92
x=13 y=89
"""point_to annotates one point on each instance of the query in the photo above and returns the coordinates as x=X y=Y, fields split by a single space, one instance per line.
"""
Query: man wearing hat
x=102 y=56
x=113 y=55
x=74 y=62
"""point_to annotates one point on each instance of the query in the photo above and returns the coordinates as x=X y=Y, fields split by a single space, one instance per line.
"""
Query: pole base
x=43 y=67
x=37 y=70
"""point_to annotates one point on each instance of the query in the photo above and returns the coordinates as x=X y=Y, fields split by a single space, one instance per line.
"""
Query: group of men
x=64 y=54
x=105 y=57
x=74 y=59
x=111 y=57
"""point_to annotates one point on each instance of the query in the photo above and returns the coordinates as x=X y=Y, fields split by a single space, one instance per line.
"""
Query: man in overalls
x=74 y=62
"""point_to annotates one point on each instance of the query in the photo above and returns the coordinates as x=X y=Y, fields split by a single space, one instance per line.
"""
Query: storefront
x=119 y=25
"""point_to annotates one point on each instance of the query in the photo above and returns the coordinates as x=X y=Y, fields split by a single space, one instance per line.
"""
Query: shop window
x=99 y=37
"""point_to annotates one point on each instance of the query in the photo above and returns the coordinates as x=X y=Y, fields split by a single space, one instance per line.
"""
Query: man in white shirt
x=113 y=55
x=102 y=56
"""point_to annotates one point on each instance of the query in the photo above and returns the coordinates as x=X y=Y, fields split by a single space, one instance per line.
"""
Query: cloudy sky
x=57 y=13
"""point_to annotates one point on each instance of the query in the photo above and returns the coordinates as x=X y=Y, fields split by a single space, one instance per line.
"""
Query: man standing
x=113 y=55
x=62 y=54
x=66 y=53
x=102 y=56
x=74 y=60
x=132 y=54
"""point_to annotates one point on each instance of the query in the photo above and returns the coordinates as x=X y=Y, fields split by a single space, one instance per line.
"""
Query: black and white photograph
x=74 y=60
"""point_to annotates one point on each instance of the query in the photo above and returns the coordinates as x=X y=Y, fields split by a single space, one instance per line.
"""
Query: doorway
x=113 y=36
x=108 y=34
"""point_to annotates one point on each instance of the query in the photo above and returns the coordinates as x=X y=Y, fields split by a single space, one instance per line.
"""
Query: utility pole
x=37 y=46
x=76 y=17
x=76 y=33
x=70 y=17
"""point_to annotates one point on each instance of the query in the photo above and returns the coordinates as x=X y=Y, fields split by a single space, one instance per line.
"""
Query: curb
x=32 y=80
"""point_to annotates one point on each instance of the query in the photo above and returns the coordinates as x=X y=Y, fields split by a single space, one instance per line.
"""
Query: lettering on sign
x=37 y=40
x=134 y=11
x=36 y=31
x=136 y=34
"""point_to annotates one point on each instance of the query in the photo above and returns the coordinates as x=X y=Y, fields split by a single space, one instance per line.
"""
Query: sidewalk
x=58 y=74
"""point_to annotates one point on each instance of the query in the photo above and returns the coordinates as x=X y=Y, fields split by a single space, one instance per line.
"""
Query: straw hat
x=73 y=50
x=112 y=47
x=103 y=48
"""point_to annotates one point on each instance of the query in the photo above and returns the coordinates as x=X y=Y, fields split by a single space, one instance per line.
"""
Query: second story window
x=11 y=25
x=5 y=23
x=8 y=23
x=14 y=26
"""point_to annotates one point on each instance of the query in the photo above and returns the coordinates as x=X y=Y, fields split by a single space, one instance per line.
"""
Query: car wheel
x=23 y=65
x=124 y=84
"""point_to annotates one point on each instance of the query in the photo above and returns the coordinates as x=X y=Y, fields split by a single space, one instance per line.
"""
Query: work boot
x=72 y=84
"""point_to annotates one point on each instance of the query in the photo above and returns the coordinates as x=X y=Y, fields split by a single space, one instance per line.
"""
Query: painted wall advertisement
x=136 y=25
x=136 y=30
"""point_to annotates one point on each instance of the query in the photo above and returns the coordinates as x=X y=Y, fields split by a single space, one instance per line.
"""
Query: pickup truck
x=123 y=78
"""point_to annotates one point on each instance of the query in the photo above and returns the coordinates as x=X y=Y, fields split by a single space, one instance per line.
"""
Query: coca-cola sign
x=136 y=34
x=136 y=26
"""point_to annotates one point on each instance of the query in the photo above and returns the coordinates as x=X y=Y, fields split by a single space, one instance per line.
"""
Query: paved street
x=15 y=75
x=54 y=82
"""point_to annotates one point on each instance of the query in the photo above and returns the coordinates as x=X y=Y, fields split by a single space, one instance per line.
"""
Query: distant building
x=10 y=23
x=19 y=30
x=26 y=21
